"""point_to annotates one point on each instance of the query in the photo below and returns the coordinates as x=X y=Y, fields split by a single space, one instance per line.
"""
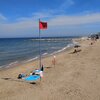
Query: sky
x=20 y=18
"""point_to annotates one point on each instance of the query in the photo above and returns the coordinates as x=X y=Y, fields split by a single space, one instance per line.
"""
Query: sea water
x=16 y=50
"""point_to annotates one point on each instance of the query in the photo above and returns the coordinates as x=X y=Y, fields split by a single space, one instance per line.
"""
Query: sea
x=20 y=50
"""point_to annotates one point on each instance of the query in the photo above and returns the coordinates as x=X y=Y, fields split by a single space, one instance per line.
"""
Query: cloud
x=20 y=29
x=2 y=17
x=57 y=20
x=36 y=16
x=24 y=19
x=48 y=13
x=66 y=4
x=27 y=26
x=42 y=15
x=75 y=20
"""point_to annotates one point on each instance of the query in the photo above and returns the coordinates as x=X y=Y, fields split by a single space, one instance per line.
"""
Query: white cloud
x=75 y=20
x=20 y=28
x=37 y=16
x=66 y=4
x=42 y=15
x=47 y=13
x=24 y=25
x=2 y=17
x=24 y=19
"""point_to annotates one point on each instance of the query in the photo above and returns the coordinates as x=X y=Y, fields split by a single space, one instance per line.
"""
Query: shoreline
x=17 y=63
x=7 y=67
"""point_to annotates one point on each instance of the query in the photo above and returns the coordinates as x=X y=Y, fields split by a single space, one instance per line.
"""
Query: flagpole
x=39 y=45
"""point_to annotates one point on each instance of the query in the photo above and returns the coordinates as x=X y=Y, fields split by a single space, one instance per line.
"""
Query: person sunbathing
x=21 y=75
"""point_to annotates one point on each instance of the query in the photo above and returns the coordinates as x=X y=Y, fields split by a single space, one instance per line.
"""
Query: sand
x=76 y=76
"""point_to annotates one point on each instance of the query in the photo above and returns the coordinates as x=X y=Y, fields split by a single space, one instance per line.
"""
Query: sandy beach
x=76 y=76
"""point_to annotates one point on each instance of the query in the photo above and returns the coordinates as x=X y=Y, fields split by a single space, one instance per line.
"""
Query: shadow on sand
x=17 y=80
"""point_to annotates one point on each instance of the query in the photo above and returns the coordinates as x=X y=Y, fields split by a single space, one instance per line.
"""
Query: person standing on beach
x=42 y=68
x=54 y=61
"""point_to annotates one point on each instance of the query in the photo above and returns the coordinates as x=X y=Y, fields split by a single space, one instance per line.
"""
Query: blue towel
x=32 y=78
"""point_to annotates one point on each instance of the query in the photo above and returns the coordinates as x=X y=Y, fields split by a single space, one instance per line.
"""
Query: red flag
x=42 y=25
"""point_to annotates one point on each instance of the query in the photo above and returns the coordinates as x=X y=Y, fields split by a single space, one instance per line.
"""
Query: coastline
x=75 y=77
x=18 y=63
